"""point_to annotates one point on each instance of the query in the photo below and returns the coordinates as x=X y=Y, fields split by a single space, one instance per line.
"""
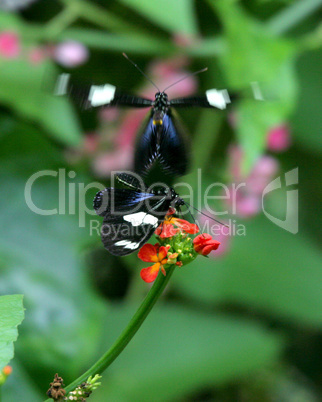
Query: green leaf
x=176 y=16
x=11 y=315
x=307 y=121
x=134 y=43
x=21 y=89
x=40 y=257
x=179 y=350
x=207 y=47
x=268 y=269
x=9 y=21
x=254 y=54
x=292 y=15
x=256 y=118
x=59 y=118
x=140 y=44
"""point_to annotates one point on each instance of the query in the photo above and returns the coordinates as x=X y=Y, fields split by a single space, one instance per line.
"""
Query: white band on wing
x=218 y=98
x=141 y=218
x=127 y=244
x=101 y=95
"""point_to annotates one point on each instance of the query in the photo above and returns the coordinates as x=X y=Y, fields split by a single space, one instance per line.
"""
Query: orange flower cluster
x=175 y=248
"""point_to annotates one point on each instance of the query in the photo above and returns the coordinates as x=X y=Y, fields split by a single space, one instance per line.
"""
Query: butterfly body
x=131 y=216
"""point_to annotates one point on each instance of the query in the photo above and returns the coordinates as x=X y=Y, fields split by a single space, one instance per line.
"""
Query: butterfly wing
x=131 y=181
x=130 y=218
x=220 y=98
x=174 y=148
x=213 y=98
x=146 y=147
x=165 y=143
x=97 y=95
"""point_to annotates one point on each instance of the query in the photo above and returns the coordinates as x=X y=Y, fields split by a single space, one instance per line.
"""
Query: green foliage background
x=242 y=327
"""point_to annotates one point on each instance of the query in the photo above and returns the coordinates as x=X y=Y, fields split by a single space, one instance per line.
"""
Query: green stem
x=99 y=16
x=206 y=135
x=128 y=333
x=292 y=15
x=311 y=41
x=60 y=22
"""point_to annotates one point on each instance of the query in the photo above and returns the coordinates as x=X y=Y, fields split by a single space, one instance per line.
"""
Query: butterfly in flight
x=161 y=137
x=132 y=215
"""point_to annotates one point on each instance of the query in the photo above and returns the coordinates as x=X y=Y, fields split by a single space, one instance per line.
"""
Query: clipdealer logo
x=291 y=221
x=72 y=197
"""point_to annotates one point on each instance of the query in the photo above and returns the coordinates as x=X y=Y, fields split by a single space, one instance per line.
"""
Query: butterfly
x=131 y=215
x=161 y=137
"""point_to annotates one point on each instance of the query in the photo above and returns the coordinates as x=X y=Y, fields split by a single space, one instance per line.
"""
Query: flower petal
x=209 y=247
x=166 y=230
x=179 y=222
x=148 y=253
x=190 y=228
x=184 y=225
x=163 y=251
x=149 y=274
x=198 y=248
x=158 y=230
x=201 y=238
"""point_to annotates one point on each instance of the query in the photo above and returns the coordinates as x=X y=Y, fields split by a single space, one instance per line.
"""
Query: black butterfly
x=132 y=215
x=161 y=137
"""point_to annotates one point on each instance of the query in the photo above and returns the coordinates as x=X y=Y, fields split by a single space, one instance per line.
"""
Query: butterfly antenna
x=180 y=214
x=196 y=223
x=137 y=67
x=186 y=76
x=210 y=217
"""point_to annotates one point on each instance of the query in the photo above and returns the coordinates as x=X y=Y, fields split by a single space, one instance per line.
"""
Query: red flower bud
x=204 y=244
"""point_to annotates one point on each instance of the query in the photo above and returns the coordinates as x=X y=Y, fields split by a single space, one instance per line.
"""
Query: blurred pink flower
x=9 y=45
x=91 y=143
x=232 y=119
x=235 y=159
x=184 y=40
x=108 y=114
x=279 y=138
x=247 y=205
x=119 y=159
x=167 y=73
x=266 y=166
x=262 y=173
x=70 y=54
x=129 y=127
x=37 y=54
x=246 y=200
